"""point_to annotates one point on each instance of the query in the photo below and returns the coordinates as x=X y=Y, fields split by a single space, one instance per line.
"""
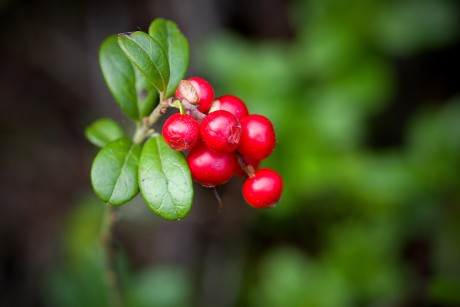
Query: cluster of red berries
x=228 y=141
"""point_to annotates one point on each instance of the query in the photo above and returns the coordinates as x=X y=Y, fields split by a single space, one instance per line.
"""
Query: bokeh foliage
x=364 y=208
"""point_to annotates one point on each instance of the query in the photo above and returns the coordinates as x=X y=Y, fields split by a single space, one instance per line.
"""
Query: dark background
x=387 y=168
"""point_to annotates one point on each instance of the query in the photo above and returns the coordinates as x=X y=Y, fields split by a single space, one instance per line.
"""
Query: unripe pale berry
x=231 y=104
x=181 y=131
x=220 y=131
x=210 y=168
x=205 y=93
x=264 y=189
x=258 y=138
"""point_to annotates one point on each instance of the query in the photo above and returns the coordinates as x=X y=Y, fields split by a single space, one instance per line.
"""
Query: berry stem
x=247 y=168
x=177 y=104
x=192 y=110
x=219 y=199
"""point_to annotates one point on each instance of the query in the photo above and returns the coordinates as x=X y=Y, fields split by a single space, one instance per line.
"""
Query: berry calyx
x=221 y=131
x=181 y=132
x=231 y=104
x=204 y=91
x=210 y=168
x=258 y=139
x=264 y=189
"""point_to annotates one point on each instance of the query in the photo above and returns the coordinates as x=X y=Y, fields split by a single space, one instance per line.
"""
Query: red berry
x=239 y=170
x=210 y=168
x=220 y=131
x=205 y=93
x=264 y=189
x=257 y=137
x=231 y=104
x=181 y=131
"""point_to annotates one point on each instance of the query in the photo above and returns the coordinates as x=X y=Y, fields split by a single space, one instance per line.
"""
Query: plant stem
x=139 y=134
x=159 y=111
x=112 y=280
x=144 y=128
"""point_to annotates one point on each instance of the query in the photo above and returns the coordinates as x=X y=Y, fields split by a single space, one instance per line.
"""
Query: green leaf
x=147 y=95
x=114 y=171
x=103 y=131
x=119 y=75
x=175 y=45
x=132 y=91
x=164 y=180
x=147 y=55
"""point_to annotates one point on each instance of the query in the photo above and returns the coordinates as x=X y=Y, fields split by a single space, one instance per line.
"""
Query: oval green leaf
x=119 y=75
x=147 y=55
x=164 y=180
x=175 y=45
x=103 y=131
x=147 y=94
x=132 y=91
x=114 y=171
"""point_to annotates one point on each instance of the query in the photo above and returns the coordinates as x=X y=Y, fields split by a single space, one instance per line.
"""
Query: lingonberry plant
x=145 y=72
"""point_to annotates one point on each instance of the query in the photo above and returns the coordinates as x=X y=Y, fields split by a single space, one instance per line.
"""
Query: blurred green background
x=365 y=99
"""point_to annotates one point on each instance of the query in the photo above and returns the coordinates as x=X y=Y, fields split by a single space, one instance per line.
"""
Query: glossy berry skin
x=239 y=170
x=221 y=131
x=210 y=168
x=181 y=131
x=205 y=93
x=231 y=104
x=264 y=189
x=258 y=138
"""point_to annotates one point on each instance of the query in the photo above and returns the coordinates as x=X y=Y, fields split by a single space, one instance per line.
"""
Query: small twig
x=114 y=290
x=219 y=200
x=144 y=128
x=192 y=110
x=160 y=110
x=139 y=134
x=247 y=168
